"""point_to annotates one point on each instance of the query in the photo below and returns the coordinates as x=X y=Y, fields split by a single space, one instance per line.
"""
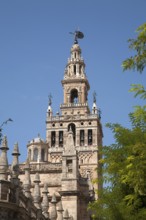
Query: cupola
x=37 y=150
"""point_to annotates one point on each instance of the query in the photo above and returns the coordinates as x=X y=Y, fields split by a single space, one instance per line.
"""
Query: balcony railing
x=74 y=105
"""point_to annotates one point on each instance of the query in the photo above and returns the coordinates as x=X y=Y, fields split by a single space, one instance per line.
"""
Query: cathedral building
x=55 y=182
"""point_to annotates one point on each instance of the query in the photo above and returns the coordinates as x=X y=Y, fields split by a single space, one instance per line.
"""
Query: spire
x=45 y=202
x=75 y=83
x=95 y=109
x=4 y=183
x=49 y=110
x=15 y=173
x=15 y=163
x=94 y=106
x=75 y=67
x=27 y=180
x=4 y=159
x=66 y=214
x=36 y=195
x=53 y=213
x=60 y=211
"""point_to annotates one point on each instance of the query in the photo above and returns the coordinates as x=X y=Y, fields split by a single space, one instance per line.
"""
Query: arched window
x=73 y=128
x=60 y=138
x=35 y=154
x=42 y=155
x=82 y=137
x=75 y=69
x=74 y=96
x=53 y=138
x=90 y=137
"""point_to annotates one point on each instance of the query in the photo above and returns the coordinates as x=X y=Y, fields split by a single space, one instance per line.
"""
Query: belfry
x=58 y=174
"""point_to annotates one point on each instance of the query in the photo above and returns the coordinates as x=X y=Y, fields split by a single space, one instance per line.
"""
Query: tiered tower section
x=75 y=85
x=76 y=115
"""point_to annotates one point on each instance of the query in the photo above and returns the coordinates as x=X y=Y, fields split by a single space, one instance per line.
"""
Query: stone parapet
x=43 y=167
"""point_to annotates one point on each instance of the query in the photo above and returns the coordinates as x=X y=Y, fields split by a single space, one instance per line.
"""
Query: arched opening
x=74 y=96
x=60 y=138
x=73 y=128
x=82 y=137
x=43 y=154
x=35 y=154
x=75 y=69
x=90 y=137
x=53 y=138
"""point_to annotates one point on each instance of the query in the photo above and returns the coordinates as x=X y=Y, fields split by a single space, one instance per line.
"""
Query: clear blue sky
x=35 y=44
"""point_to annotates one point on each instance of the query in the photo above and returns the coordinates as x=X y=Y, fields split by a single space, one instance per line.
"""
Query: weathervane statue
x=77 y=35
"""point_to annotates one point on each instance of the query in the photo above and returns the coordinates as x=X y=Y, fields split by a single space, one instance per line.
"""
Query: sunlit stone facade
x=57 y=177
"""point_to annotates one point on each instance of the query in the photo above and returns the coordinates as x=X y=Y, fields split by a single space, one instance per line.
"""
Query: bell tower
x=76 y=119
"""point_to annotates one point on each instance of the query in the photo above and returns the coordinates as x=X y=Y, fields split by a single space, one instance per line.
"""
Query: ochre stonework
x=56 y=179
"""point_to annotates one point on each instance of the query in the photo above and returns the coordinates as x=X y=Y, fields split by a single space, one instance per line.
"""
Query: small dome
x=49 y=108
x=94 y=105
x=37 y=140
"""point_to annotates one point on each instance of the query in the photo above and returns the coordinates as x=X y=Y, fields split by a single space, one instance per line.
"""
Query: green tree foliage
x=138 y=45
x=124 y=162
x=138 y=60
x=124 y=169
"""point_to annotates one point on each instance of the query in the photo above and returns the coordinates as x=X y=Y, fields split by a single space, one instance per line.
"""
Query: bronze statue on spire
x=77 y=35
